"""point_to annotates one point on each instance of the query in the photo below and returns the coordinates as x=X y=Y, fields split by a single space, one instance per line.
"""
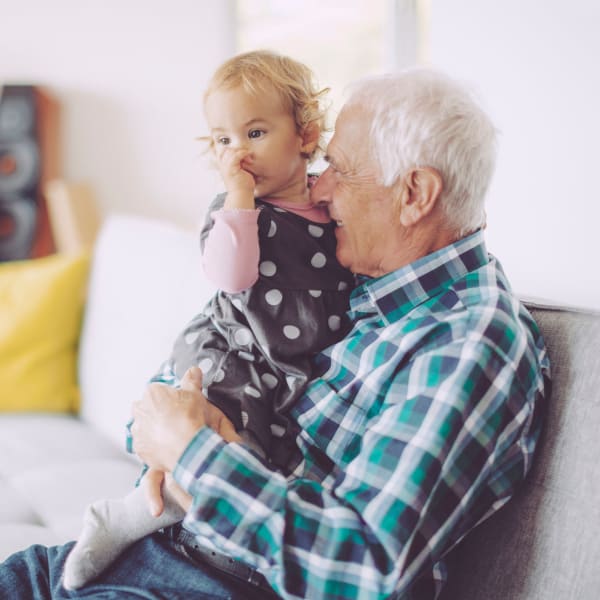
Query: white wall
x=129 y=76
x=535 y=63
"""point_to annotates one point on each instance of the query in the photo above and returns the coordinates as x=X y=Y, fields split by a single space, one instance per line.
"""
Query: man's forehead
x=350 y=141
x=352 y=121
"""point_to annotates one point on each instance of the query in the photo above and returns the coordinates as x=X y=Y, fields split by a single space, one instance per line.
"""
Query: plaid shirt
x=418 y=425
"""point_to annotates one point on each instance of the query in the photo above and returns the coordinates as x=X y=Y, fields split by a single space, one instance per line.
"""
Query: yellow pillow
x=41 y=305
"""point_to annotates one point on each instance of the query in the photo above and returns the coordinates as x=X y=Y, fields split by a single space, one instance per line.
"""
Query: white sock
x=109 y=526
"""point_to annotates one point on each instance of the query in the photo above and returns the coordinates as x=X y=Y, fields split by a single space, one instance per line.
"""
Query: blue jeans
x=156 y=567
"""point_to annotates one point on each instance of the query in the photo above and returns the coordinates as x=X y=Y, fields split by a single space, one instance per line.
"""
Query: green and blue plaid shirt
x=418 y=425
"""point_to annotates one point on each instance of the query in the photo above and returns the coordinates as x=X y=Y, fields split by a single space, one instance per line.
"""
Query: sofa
x=145 y=283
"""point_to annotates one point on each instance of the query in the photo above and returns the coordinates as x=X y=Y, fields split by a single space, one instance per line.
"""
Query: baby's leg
x=109 y=526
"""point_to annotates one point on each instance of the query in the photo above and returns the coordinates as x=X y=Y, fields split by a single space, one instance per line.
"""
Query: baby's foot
x=103 y=537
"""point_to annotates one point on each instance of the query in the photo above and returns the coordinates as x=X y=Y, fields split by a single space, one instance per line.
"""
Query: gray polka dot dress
x=255 y=347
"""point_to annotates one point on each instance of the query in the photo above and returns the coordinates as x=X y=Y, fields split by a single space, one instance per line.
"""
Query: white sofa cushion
x=51 y=467
x=84 y=481
x=146 y=284
x=43 y=441
x=15 y=536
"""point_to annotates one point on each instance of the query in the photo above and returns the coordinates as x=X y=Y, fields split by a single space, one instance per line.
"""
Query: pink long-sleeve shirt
x=232 y=249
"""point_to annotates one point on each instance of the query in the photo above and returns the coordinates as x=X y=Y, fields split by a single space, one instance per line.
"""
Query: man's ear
x=421 y=189
x=310 y=138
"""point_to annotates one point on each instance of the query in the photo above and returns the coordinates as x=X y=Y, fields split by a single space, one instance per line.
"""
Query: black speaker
x=22 y=212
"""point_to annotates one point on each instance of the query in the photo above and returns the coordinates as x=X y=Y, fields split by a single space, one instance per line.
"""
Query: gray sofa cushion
x=545 y=543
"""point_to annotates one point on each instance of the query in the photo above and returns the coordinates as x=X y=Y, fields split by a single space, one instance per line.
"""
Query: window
x=340 y=41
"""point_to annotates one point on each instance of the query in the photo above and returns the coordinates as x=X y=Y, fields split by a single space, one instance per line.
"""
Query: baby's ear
x=310 y=138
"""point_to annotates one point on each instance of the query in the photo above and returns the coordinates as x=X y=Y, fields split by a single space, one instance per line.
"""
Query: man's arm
x=450 y=442
x=192 y=412
x=166 y=419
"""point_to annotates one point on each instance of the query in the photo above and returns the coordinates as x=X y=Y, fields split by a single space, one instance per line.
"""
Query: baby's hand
x=233 y=163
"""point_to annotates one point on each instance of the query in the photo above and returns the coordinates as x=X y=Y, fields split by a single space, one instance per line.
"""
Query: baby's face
x=263 y=135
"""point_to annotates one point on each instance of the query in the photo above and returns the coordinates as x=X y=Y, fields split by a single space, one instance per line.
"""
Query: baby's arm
x=238 y=182
x=231 y=252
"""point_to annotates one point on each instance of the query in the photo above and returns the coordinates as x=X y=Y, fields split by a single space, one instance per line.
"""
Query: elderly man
x=416 y=426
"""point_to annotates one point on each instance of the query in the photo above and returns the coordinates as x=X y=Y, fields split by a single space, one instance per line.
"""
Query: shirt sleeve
x=231 y=250
x=166 y=375
x=445 y=447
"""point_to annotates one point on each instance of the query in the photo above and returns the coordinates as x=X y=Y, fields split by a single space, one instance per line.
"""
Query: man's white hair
x=422 y=118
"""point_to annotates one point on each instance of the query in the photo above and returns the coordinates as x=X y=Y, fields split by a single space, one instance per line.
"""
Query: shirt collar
x=395 y=294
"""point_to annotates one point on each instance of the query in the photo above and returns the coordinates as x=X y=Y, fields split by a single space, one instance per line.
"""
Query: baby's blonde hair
x=262 y=70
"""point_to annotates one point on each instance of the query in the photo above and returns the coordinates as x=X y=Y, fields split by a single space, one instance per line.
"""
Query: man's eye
x=224 y=141
x=256 y=133
x=331 y=165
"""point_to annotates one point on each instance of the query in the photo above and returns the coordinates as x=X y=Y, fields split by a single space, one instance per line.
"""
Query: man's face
x=365 y=211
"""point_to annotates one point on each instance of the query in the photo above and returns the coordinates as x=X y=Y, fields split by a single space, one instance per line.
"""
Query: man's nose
x=322 y=188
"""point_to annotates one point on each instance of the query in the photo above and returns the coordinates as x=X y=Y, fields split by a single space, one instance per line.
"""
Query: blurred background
x=128 y=77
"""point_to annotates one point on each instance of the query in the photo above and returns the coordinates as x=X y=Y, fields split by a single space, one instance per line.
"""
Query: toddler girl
x=282 y=294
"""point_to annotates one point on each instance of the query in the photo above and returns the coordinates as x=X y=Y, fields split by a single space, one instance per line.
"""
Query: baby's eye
x=223 y=141
x=255 y=133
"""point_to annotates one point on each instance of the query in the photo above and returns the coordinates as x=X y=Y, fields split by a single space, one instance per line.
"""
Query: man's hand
x=166 y=419
x=153 y=483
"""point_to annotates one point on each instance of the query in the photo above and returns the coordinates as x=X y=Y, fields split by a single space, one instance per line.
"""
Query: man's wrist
x=197 y=456
x=183 y=442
